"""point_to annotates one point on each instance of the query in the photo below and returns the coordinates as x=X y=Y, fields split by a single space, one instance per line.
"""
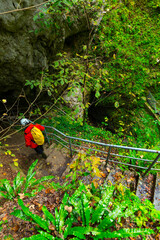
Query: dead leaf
x=51 y=227
x=79 y=219
x=95 y=184
x=31 y=207
x=47 y=190
x=21 y=195
x=68 y=209
x=157 y=237
x=4 y=218
x=40 y=207
x=108 y=169
x=16 y=228
x=103 y=174
x=139 y=213
x=52 y=190
x=15 y=159
x=92 y=203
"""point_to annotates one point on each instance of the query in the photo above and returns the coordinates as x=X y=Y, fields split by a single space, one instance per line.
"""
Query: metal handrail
x=70 y=145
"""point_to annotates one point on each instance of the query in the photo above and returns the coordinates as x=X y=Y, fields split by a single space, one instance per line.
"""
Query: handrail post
x=156 y=159
x=109 y=151
x=70 y=147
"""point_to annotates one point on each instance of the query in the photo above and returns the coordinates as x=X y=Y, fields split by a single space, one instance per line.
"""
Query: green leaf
x=67 y=230
x=103 y=203
x=85 y=209
x=45 y=178
x=18 y=181
x=42 y=223
x=116 y=104
x=46 y=235
x=16 y=164
x=2 y=189
x=30 y=175
x=124 y=233
x=9 y=188
x=36 y=237
x=62 y=216
x=80 y=231
x=57 y=219
x=4 y=195
x=20 y=214
x=109 y=220
x=48 y=215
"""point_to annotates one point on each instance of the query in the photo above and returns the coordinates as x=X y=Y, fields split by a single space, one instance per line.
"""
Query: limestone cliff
x=22 y=52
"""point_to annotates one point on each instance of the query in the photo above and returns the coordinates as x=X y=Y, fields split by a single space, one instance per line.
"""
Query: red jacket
x=28 y=136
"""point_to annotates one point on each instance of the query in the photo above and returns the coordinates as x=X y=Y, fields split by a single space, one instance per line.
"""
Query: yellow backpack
x=37 y=136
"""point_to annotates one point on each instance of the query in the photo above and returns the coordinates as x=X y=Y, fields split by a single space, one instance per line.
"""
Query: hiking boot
x=44 y=155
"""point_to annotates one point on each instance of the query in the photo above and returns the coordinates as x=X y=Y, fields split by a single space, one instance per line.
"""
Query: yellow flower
x=4 y=100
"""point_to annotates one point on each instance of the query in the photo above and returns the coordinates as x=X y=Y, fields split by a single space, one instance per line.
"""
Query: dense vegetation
x=83 y=211
x=118 y=62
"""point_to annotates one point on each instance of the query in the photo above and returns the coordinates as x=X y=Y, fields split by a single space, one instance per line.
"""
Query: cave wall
x=23 y=53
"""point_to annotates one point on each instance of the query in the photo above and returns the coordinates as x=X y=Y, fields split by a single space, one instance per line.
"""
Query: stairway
x=144 y=188
x=55 y=164
x=58 y=161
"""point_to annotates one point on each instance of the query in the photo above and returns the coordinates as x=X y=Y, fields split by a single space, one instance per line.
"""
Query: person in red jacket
x=29 y=138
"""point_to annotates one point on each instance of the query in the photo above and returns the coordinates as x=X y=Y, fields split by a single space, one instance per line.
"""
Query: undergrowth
x=144 y=133
x=90 y=212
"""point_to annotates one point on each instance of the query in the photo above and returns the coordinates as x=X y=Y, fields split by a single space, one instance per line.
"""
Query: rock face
x=23 y=54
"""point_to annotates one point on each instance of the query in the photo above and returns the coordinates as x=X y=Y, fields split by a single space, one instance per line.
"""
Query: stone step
x=114 y=176
x=57 y=161
x=145 y=187
x=126 y=178
x=156 y=198
x=129 y=180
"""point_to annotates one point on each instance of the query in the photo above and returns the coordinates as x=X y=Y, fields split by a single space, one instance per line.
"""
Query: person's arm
x=27 y=140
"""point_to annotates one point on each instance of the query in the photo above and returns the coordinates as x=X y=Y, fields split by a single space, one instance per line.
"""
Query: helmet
x=24 y=121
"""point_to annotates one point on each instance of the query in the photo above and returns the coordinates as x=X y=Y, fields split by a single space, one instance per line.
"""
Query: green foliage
x=55 y=13
x=94 y=211
x=129 y=30
x=69 y=74
x=8 y=237
x=68 y=125
x=21 y=185
x=154 y=4
x=145 y=130
x=8 y=191
x=119 y=66
x=83 y=166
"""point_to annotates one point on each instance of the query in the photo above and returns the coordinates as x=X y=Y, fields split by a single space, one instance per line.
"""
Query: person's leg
x=39 y=150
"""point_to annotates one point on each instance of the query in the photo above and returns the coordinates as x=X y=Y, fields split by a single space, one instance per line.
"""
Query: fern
x=96 y=221
x=103 y=203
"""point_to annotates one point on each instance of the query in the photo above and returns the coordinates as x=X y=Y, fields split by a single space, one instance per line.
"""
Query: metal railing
x=132 y=157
